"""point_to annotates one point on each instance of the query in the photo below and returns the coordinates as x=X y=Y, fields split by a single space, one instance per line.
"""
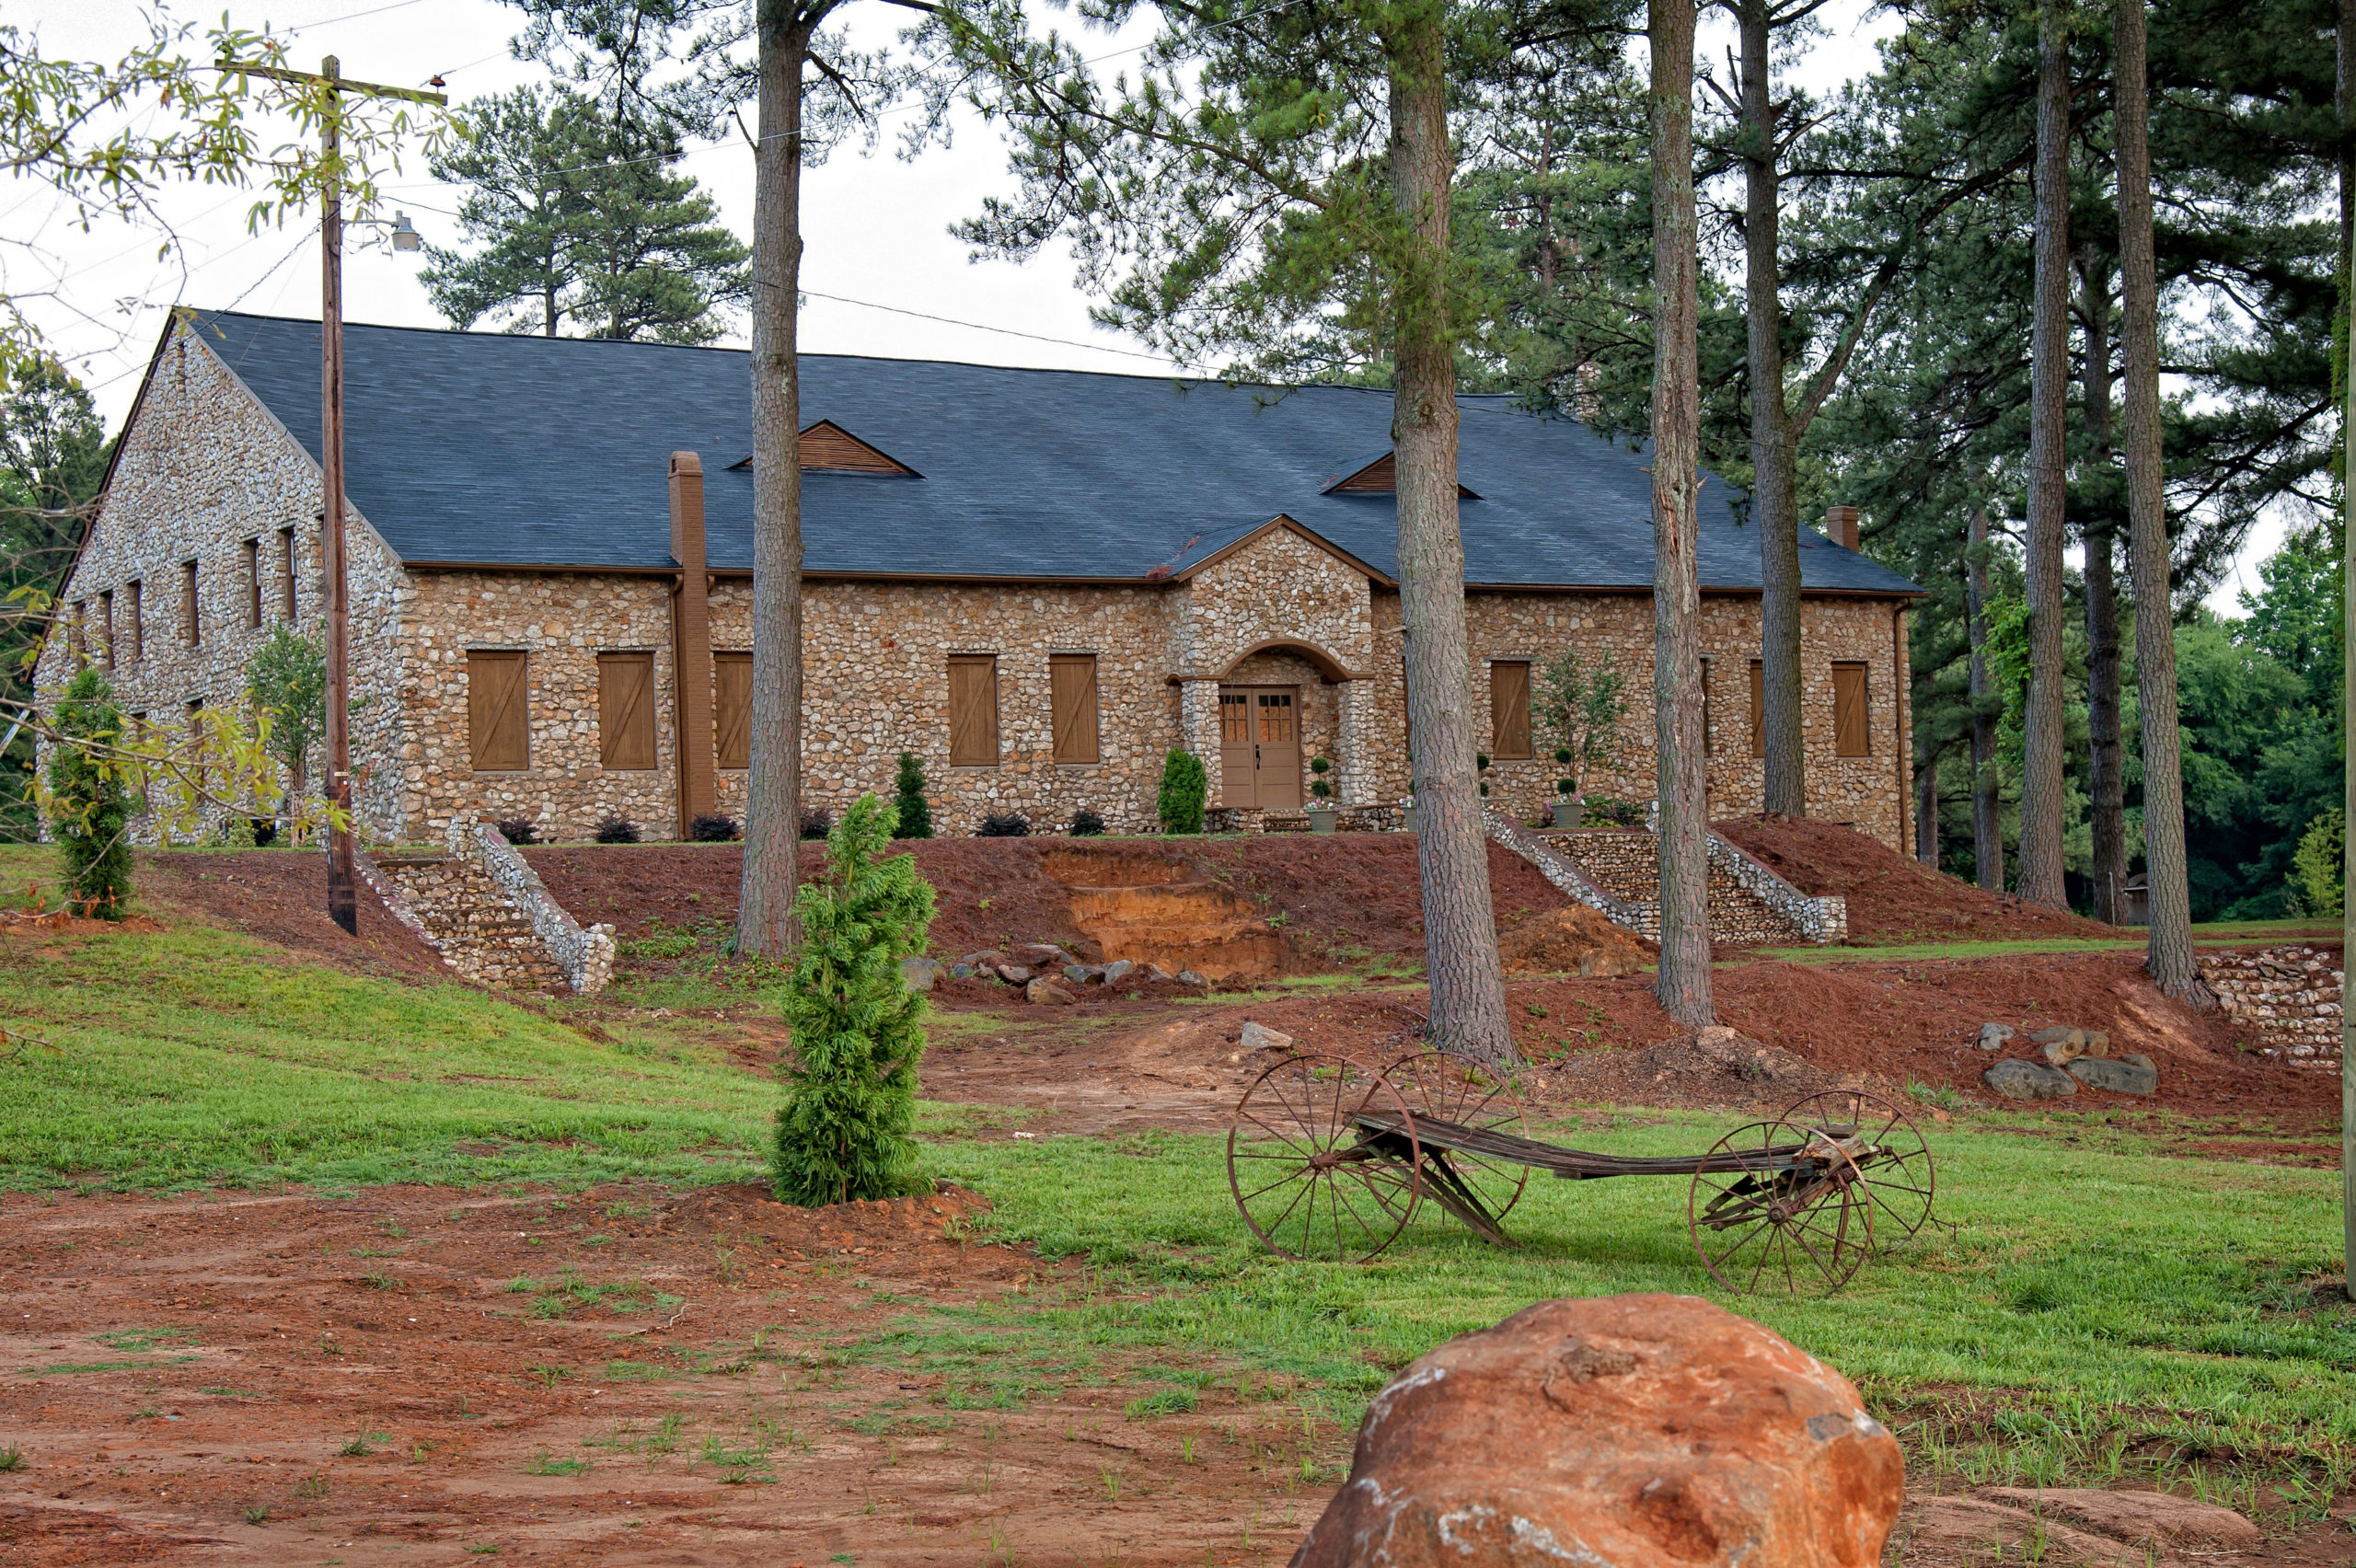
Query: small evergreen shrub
x=817 y=824
x=844 y=1131
x=712 y=828
x=2316 y=886
x=1186 y=786
x=89 y=808
x=518 y=830
x=1086 y=824
x=616 y=829
x=237 y=833
x=1004 y=824
x=916 y=813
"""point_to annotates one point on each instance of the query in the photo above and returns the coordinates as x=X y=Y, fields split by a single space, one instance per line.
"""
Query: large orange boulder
x=1615 y=1432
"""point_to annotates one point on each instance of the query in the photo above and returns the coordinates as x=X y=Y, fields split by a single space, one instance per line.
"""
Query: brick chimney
x=1841 y=526
x=691 y=639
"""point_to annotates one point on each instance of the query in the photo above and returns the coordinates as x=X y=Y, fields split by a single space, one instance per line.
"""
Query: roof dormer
x=1381 y=477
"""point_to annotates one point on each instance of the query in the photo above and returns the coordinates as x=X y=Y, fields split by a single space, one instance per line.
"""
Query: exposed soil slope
x=1893 y=898
x=280 y=897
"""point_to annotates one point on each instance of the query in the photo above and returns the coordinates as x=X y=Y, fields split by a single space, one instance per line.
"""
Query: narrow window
x=973 y=710
x=1071 y=678
x=1852 y=713
x=1508 y=708
x=78 y=634
x=287 y=572
x=498 y=731
x=191 y=627
x=138 y=623
x=625 y=710
x=1709 y=741
x=1758 y=709
x=193 y=731
x=139 y=771
x=253 y=583
x=731 y=709
x=105 y=628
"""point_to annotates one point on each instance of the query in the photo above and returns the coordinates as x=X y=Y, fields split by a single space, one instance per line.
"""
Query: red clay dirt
x=1893 y=898
x=280 y=897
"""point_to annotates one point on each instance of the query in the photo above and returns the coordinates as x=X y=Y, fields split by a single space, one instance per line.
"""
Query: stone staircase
x=453 y=903
x=1617 y=872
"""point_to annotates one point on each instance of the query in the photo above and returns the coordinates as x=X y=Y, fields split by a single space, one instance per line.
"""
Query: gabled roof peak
x=1381 y=477
x=829 y=448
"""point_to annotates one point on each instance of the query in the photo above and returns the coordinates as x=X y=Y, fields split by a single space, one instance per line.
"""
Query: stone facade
x=2289 y=997
x=205 y=469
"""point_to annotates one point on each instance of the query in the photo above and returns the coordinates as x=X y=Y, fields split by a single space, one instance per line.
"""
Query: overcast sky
x=876 y=229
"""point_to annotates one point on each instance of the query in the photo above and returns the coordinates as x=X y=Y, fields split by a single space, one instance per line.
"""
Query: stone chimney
x=691 y=639
x=1841 y=526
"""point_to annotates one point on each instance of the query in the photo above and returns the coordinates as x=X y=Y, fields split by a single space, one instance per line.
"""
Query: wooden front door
x=1259 y=747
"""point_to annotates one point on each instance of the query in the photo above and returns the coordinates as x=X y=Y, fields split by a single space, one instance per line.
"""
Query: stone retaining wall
x=463 y=915
x=1617 y=871
x=2289 y=997
x=585 y=955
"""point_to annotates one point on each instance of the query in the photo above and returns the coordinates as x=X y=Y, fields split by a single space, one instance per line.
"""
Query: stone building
x=1039 y=582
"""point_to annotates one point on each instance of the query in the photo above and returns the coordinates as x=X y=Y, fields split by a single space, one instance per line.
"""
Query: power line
x=1003 y=331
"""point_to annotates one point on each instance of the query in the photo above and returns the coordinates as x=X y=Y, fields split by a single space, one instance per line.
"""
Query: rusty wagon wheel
x=1310 y=1185
x=1893 y=1162
x=1779 y=1206
x=1444 y=1086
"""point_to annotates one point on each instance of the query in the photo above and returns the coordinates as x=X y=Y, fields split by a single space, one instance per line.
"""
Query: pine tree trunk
x=2347 y=345
x=2105 y=756
x=1926 y=810
x=1684 y=985
x=2169 y=957
x=1468 y=994
x=1774 y=509
x=2042 y=796
x=765 y=922
x=1986 y=799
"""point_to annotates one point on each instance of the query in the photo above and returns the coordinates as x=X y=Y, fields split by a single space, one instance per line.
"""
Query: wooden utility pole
x=343 y=903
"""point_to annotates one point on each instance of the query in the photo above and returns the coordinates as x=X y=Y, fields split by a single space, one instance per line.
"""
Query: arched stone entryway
x=1261 y=724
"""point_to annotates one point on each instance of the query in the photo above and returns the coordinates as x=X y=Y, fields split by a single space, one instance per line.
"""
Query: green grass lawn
x=2097 y=1306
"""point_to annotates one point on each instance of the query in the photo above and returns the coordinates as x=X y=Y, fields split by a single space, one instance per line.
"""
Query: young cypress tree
x=1184 y=787
x=916 y=815
x=858 y=1030
x=88 y=806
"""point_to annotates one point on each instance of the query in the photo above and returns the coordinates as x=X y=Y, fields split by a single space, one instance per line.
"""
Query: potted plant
x=1569 y=807
x=1584 y=707
x=1322 y=813
x=1406 y=813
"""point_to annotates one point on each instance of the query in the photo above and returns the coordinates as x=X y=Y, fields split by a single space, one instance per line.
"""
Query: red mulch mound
x=1338 y=894
x=1892 y=898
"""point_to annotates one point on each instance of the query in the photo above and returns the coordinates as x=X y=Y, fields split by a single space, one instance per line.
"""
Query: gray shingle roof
x=523 y=451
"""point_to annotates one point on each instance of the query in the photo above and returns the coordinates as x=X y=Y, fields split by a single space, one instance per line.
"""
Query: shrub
x=712 y=828
x=2317 y=888
x=89 y=808
x=288 y=677
x=237 y=833
x=616 y=829
x=1086 y=824
x=916 y=815
x=1321 y=767
x=265 y=832
x=518 y=830
x=1004 y=824
x=818 y=824
x=1186 y=786
x=858 y=1030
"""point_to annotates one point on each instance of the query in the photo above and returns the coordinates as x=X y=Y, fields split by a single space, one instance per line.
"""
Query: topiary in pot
x=858 y=1031
x=1319 y=767
x=1186 y=786
x=915 y=813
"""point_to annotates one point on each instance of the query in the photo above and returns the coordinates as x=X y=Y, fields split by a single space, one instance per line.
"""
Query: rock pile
x=1621 y=1429
x=2067 y=1057
x=1044 y=972
x=2288 y=997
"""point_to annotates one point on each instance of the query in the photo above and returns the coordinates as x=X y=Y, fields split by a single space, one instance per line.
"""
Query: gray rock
x=921 y=972
x=1257 y=1037
x=1014 y=974
x=2098 y=1041
x=1195 y=978
x=988 y=958
x=2061 y=1046
x=1115 y=970
x=2021 y=1079
x=1154 y=971
x=2120 y=1076
x=1081 y=974
x=1994 y=1036
x=961 y=972
x=1049 y=991
x=2139 y=1059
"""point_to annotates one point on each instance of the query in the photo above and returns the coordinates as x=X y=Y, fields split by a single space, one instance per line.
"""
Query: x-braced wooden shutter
x=496 y=711
x=731 y=709
x=625 y=710
x=1508 y=708
x=1852 y=716
x=973 y=710
x=1071 y=679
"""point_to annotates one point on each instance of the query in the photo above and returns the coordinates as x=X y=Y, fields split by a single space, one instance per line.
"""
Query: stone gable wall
x=206 y=468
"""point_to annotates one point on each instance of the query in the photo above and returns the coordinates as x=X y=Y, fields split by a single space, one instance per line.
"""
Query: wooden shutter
x=1508 y=709
x=497 y=719
x=253 y=583
x=1071 y=680
x=191 y=627
x=1851 y=718
x=138 y=623
x=1758 y=709
x=973 y=710
x=625 y=710
x=731 y=709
